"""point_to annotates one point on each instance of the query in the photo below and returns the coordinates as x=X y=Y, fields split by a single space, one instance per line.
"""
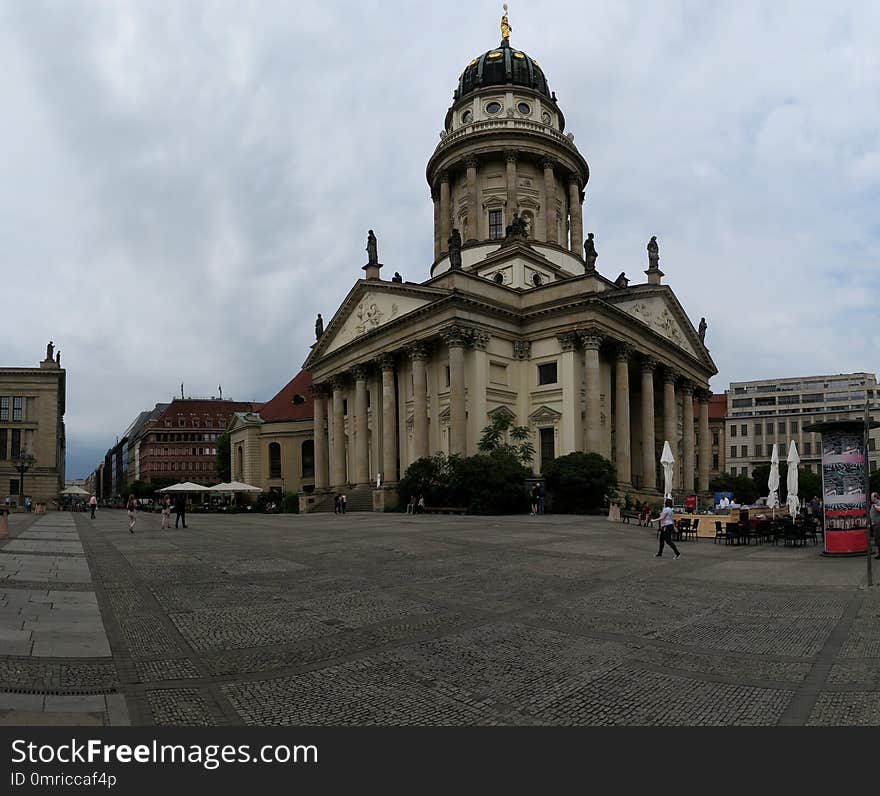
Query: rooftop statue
x=397 y=277
x=505 y=25
x=455 y=249
x=702 y=331
x=372 y=249
x=49 y=350
x=319 y=326
x=653 y=252
x=590 y=253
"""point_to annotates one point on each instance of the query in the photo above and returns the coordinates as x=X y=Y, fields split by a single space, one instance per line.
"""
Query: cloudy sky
x=185 y=185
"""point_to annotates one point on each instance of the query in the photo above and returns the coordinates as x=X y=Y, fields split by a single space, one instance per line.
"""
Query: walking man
x=667 y=523
x=132 y=516
x=93 y=504
x=180 y=510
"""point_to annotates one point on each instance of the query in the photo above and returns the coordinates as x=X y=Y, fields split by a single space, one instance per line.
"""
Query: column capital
x=386 y=362
x=568 y=340
x=443 y=176
x=547 y=163
x=702 y=394
x=622 y=352
x=480 y=340
x=317 y=390
x=591 y=339
x=455 y=335
x=522 y=349
x=418 y=351
x=574 y=182
x=337 y=382
x=510 y=155
x=670 y=376
x=360 y=372
x=687 y=386
x=471 y=161
x=649 y=364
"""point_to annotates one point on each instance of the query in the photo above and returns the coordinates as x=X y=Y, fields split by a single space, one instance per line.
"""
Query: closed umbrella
x=773 y=480
x=668 y=461
x=792 y=482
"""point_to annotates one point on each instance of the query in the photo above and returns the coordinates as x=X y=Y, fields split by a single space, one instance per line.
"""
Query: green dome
x=500 y=67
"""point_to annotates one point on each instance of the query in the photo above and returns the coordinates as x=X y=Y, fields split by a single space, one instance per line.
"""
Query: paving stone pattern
x=401 y=620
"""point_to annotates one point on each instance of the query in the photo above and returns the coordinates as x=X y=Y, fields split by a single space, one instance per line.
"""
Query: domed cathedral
x=514 y=318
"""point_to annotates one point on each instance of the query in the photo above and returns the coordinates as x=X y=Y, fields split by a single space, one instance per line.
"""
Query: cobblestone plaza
x=426 y=620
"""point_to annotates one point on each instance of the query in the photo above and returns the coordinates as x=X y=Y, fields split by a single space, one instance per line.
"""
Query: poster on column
x=843 y=492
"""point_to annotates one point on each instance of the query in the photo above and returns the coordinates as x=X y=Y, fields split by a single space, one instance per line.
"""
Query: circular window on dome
x=499 y=278
x=524 y=108
x=467 y=117
x=536 y=280
x=493 y=107
x=545 y=117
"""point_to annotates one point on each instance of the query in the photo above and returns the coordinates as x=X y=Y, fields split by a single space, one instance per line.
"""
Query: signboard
x=843 y=492
x=690 y=502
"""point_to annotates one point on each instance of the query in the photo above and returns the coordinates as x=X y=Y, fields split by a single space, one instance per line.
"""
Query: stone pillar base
x=308 y=502
x=385 y=498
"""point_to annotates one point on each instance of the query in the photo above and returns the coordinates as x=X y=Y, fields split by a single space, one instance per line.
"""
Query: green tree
x=430 y=477
x=579 y=482
x=493 y=483
x=501 y=428
x=224 y=457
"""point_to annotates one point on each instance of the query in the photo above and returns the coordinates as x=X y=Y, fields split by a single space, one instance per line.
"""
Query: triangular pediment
x=502 y=411
x=369 y=306
x=664 y=316
x=545 y=415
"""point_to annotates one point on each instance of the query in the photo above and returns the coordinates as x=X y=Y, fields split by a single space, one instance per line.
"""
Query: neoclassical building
x=513 y=318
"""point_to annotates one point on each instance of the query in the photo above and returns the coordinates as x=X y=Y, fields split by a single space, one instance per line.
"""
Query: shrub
x=580 y=481
x=491 y=484
x=290 y=503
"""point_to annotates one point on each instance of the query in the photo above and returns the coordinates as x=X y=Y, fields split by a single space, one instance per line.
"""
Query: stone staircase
x=358 y=499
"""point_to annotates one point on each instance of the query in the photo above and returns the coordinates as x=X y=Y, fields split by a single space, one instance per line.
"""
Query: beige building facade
x=514 y=318
x=32 y=405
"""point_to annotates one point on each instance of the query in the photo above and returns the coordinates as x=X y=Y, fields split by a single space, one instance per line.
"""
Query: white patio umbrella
x=186 y=486
x=668 y=461
x=792 y=481
x=74 y=490
x=773 y=480
x=238 y=486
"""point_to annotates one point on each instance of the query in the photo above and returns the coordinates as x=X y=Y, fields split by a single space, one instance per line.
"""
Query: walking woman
x=166 y=513
x=667 y=523
x=132 y=517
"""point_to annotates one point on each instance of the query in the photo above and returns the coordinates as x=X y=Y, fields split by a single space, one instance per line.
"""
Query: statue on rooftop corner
x=455 y=249
x=49 y=349
x=621 y=280
x=58 y=357
x=702 y=330
x=653 y=252
x=397 y=277
x=590 y=253
x=372 y=249
x=319 y=327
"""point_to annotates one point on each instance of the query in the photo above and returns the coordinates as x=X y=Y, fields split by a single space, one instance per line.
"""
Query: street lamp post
x=22 y=463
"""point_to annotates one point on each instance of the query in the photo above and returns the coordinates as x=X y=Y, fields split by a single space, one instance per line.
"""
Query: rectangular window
x=757 y=429
x=739 y=402
x=714 y=461
x=757 y=450
x=209 y=423
x=744 y=450
x=195 y=422
x=447 y=376
x=13 y=487
x=794 y=426
x=547 y=373
x=808 y=448
x=496 y=228
x=497 y=373
x=4 y=407
x=16 y=443
x=733 y=431
x=345 y=407
x=3 y=443
x=872 y=444
x=781 y=427
x=715 y=438
x=733 y=451
x=744 y=430
x=16 y=409
x=548 y=445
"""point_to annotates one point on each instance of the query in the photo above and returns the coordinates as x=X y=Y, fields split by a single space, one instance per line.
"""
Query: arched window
x=308 y=459
x=274 y=460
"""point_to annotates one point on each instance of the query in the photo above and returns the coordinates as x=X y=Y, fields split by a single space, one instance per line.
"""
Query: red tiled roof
x=717 y=407
x=286 y=406
x=199 y=407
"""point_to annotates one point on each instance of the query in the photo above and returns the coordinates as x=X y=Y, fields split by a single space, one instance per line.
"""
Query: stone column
x=670 y=417
x=549 y=201
x=418 y=354
x=445 y=211
x=621 y=427
x=435 y=197
x=454 y=336
x=473 y=216
x=705 y=443
x=649 y=462
x=592 y=340
x=510 y=157
x=389 y=420
x=569 y=439
x=361 y=434
x=577 y=220
x=338 y=433
x=321 y=451
x=687 y=436
x=477 y=415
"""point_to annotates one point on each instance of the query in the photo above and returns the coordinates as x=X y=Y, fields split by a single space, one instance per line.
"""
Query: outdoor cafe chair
x=719 y=532
x=732 y=533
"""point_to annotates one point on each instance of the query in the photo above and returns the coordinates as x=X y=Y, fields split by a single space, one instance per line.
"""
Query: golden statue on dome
x=505 y=25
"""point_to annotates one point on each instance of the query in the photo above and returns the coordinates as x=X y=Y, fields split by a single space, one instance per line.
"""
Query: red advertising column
x=844 y=502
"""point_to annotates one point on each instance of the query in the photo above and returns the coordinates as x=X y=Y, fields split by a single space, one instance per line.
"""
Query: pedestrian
x=534 y=500
x=342 y=502
x=667 y=524
x=180 y=510
x=540 y=497
x=875 y=520
x=411 y=506
x=166 y=513
x=132 y=516
x=421 y=504
x=93 y=504
x=645 y=516
x=337 y=504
